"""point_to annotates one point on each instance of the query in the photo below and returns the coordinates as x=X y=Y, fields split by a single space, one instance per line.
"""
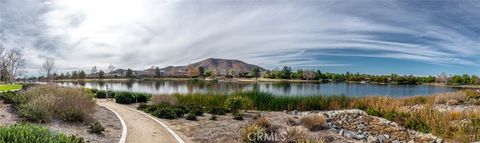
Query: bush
x=142 y=97
x=165 y=113
x=101 y=94
x=253 y=133
x=96 y=128
x=216 y=110
x=12 y=98
x=235 y=103
x=191 y=117
x=25 y=133
x=39 y=109
x=295 y=134
x=417 y=124
x=124 y=97
x=314 y=122
x=195 y=109
x=143 y=106
x=43 y=103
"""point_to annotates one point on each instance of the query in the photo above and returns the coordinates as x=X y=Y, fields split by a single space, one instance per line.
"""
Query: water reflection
x=277 y=88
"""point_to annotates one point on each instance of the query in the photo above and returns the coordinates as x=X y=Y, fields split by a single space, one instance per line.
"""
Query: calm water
x=173 y=86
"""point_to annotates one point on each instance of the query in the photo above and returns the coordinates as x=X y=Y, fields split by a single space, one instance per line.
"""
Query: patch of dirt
x=226 y=129
x=109 y=121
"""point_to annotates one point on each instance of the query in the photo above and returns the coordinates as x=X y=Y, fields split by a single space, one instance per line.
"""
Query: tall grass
x=44 y=103
x=460 y=126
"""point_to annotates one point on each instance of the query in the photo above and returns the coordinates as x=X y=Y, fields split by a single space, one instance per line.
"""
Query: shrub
x=263 y=122
x=373 y=112
x=191 y=117
x=142 y=97
x=25 y=133
x=124 y=97
x=165 y=113
x=235 y=103
x=12 y=98
x=101 y=94
x=216 y=110
x=43 y=103
x=96 y=128
x=417 y=124
x=39 y=109
x=445 y=97
x=195 y=109
x=314 y=122
x=143 y=106
x=295 y=134
x=253 y=133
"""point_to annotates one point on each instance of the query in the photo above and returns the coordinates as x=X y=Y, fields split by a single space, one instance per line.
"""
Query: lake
x=276 y=88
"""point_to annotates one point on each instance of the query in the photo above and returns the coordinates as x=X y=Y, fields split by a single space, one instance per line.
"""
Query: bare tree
x=110 y=68
x=11 y=64
x=15 y=65
x=94 y=70
x=48 y=68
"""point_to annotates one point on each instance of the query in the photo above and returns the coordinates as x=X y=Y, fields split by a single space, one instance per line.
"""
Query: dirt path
x=140 y=127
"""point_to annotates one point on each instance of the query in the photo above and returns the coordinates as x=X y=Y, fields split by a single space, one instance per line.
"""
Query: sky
x=425 y=37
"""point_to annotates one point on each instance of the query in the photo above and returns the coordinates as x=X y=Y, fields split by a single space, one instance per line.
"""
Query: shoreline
x=253 y=80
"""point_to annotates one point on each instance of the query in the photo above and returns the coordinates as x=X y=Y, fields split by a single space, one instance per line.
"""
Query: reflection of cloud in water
x=276 y=88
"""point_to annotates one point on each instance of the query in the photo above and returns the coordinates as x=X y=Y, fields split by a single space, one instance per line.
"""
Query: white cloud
x=140 y=33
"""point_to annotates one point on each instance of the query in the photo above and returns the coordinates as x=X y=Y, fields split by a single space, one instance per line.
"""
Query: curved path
x=142 y=128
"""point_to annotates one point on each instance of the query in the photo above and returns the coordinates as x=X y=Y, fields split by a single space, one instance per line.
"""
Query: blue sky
x=424 y=37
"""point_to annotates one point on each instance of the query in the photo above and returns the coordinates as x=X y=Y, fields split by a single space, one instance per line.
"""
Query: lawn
x=7 y=87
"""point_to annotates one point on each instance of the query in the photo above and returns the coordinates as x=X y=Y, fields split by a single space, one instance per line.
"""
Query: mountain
x=220 y=67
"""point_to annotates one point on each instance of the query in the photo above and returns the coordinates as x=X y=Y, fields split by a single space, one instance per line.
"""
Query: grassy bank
x=8 y=87
x=458 y=126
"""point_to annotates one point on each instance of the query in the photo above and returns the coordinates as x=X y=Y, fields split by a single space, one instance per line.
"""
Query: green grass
x=8 y=87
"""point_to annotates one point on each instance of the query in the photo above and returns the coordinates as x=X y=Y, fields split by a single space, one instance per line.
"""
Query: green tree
x=286 y=72
x=101 y=74
x=256 y=72
x=82 y=74
x=157 y=72
x=129 y=73
x=201 y=71
x=208 y=73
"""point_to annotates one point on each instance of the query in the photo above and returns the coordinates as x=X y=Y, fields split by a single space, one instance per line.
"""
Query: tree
x=82 y=75
x=74 y=74
x=14 y=65
x=158 y=73
x=201 y=71
x=129 y=73
x=48 y=68
x=110 y=68
x=208 y=73
x=101 y=74
x=93 y=71
x=286 y=72
x=256 y=72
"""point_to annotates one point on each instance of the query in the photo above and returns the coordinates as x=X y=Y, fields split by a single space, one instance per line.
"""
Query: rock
x=395 y=141
x=295 y=112
x=381 y=138
x=411 y=141
x=452 y=102
x=372 y=139
x=439 y=140
x=386 y=136
x=285 y=111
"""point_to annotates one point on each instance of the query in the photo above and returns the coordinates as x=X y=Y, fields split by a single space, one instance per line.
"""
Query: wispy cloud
x=138 y=34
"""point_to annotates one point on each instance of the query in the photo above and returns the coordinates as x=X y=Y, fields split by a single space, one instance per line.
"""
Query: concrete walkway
x=140 y=127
